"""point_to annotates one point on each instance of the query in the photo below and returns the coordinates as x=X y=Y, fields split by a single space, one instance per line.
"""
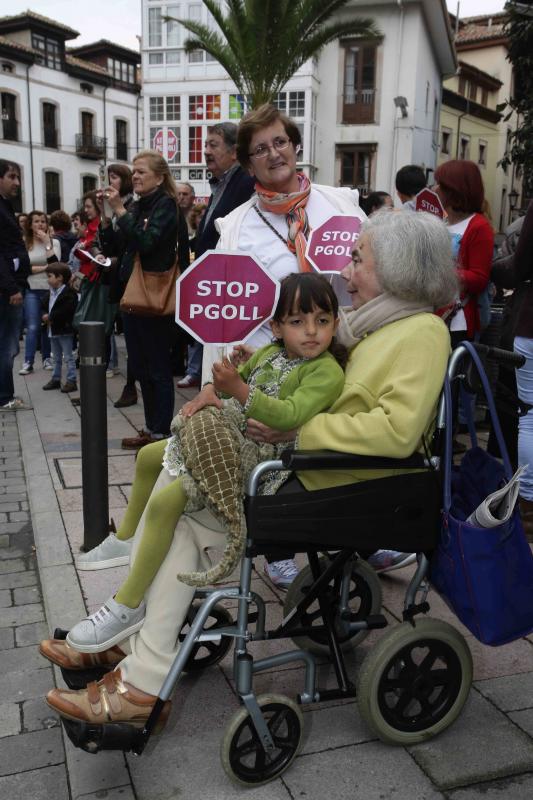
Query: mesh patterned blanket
x=218 y=459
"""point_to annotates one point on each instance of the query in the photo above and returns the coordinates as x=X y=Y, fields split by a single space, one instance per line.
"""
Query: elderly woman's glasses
x=278 y=144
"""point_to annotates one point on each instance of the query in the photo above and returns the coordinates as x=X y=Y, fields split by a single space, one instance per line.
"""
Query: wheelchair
x=412 y=684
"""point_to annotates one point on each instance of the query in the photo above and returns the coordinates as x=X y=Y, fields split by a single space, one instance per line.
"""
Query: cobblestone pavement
x=31 y=746
x=486 y=755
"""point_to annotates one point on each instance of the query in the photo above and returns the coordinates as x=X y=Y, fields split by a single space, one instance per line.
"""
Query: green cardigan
x=311 y=387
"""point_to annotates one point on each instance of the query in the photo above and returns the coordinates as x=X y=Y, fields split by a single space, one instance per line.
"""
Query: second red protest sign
x=329 y=248
x=224 y=297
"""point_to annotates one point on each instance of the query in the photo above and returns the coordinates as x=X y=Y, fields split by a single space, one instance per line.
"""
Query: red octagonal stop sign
x=329 y=247
x=224 y=297
x=429 y=201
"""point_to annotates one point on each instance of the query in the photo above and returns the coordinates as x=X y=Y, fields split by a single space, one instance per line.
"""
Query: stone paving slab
x=26 y=685
x=510 y=693
x=49 y=783
x=10 y=722
x=481 y=745
x=371 y=771
x=40 y=749
x=91 y=774
x=120 y=470
x=519 y=788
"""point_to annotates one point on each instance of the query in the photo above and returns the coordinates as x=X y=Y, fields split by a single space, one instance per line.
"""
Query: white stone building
x=65 y=113
x=354 y=130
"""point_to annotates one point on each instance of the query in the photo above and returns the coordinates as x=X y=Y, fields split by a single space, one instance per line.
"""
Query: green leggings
x=162 y=514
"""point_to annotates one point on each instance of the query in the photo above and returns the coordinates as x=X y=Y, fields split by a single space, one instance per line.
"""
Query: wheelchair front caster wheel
x=243 y=756
x=364 y=600
x=414 y=683
x=205 y=654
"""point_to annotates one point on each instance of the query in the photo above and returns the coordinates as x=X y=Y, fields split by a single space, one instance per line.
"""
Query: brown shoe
x=69 y=386
x=127 y=398
x=108 y=700
x=59 y=652
x=136 y=442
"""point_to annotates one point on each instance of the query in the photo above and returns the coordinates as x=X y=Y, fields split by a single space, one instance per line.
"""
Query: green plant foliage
x=262 y=43
x=519 y=29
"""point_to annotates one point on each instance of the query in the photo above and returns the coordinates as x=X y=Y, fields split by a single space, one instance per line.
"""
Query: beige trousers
x=152 y=650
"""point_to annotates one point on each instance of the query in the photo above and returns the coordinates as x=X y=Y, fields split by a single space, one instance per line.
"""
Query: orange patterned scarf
x=293 y=206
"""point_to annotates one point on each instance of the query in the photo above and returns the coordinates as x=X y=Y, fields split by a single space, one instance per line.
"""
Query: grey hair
x=228 y=132
x=186 y=183
x=413 y=256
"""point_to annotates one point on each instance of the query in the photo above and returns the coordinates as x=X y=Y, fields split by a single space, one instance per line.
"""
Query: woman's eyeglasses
x=278 y=144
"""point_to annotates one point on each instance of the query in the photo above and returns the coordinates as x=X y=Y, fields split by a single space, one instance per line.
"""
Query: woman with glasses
x=275 y=223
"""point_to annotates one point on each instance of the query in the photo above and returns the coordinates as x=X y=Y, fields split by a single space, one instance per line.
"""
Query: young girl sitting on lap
x=283 y=385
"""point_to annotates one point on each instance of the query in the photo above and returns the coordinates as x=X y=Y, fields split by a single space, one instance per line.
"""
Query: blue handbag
x=485 y=575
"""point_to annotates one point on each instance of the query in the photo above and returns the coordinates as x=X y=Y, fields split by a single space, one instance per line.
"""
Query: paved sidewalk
x=487 y=753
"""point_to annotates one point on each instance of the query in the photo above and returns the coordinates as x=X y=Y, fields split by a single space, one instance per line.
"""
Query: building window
x=237 y=106
x=52 y=194
x=204 y=106
x=355 y=168
x=88 y=184
x=155 y=58
x=195 y=12
x=195 y=145
x=462 y=85
x=296 y=104
x=359 y=83
x=121 y=139
x=482 y=156
x=87 y=120
x=472 y=91
x=464 y=148
x=7 y=67
x=280 y=101
x=196 y=57
x=173 y=57
x=157 y=109
x=9 y=120
x=173 y=107
x=49 y=125
x=155 y=27
x=121 y=71
x=173 y=28
x=484 y=96
x=49 y=51
x=446 y=141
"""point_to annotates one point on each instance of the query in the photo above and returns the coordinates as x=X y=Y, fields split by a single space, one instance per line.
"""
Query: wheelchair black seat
x=400 y=512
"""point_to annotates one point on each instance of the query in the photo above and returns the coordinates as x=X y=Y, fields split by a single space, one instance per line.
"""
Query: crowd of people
x=416 y=287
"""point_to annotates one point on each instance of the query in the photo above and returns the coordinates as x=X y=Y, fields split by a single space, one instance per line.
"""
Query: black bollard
x=93 y=396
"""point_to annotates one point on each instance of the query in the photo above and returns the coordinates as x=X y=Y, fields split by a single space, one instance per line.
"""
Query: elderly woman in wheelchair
x=372 y=488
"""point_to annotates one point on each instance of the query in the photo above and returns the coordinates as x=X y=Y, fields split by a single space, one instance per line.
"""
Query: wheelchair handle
x=497 y=354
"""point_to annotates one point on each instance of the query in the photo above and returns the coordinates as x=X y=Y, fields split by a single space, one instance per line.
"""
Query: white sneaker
x=48 y=363
x=15 y=404
x=281 y=573
x=110 y=373
x=111 y=624
x=26 y=368
x=112 y=552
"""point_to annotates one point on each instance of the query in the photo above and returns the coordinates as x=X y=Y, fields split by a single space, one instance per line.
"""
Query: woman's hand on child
x=226 y=379
x=262 y=433
x=207 y=397
x=240 y=354
x=45 y=318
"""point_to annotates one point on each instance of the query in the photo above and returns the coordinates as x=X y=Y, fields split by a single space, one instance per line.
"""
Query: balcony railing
x=89 y=146
x=358 y=106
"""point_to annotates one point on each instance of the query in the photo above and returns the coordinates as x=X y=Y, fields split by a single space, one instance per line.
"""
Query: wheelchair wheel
x=205 y=654
x=364 y=600
x=414 y=683
x=243 y=756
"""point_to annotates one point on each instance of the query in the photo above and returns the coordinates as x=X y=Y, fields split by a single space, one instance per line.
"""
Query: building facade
x=471 y=127
x=65 y=113
x=364 y=108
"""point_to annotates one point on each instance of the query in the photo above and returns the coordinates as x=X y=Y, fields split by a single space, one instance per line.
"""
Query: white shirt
x=458 y=321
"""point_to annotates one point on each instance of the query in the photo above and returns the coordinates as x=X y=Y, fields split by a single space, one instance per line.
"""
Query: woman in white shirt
x=42 y=249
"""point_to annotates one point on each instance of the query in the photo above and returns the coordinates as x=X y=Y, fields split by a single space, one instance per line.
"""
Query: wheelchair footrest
x=335 y=694
x=375 y=621
x=111 y=736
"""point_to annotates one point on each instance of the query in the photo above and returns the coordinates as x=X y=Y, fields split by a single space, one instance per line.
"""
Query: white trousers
x=152 y=650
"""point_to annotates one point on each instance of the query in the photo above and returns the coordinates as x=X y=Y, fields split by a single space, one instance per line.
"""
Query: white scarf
x=355 y=324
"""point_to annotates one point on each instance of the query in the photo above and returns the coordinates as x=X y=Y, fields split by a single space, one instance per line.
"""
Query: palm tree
x=262 y=43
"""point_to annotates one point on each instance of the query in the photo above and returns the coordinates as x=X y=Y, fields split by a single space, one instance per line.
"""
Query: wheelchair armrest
x=328 y=459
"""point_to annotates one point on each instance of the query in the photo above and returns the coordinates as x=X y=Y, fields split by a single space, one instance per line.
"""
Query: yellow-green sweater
x=392 y=384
